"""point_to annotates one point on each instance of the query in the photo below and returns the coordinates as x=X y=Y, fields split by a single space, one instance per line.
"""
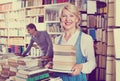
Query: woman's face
x=68 y=20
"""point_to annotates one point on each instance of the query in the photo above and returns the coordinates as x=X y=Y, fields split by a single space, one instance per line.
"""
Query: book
x=92 y=32
x=110 y=37
x=32 y=74
x=111 y=21
x=27 y=62
x=61 y=71
x=41 y=75
x=63 y=48
x=70 y=58
x=91 y=7
x=92 y=21
x=111 y=10
x=55 y=79
x=30 y=79
x=32 y=70
x=63 y=65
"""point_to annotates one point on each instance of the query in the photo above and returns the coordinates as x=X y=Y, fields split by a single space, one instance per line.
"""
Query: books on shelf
x=111 y=10
x=92 y=21
x=97 y=34
x=110 y=50
x=99 y=47
x=91 y=7
x=54 y=27
x=38 y=11
x=6 y=7
x=110 y=37
x=17 y=5
x=47 y=2
x=92 y=32
x=84 y=16
x=52 y=15
x=111 y=21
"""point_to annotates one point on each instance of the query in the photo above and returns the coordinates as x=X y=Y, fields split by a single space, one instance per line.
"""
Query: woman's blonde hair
x=73 y=9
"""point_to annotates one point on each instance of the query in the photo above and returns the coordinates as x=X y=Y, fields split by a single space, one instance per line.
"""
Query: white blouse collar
x=72 y=40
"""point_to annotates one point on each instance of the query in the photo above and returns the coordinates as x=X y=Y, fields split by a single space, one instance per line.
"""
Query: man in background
x=43 y=40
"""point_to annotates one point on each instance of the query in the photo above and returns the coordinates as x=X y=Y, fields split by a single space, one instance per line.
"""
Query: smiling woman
x=70 y=15
x=70 y=18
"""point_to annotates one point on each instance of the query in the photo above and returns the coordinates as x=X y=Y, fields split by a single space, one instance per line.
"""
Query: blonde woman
x=70 y=18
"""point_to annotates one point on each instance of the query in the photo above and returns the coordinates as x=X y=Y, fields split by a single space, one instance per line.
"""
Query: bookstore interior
x=99 y=18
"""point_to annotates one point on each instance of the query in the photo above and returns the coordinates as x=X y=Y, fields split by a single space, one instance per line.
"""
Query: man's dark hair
x=31 y=26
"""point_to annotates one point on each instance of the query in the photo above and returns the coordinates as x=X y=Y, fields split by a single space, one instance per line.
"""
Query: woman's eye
x=71 y=15
x=63 y=15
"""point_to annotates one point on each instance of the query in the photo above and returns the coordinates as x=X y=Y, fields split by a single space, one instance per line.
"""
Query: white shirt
x=86 y=47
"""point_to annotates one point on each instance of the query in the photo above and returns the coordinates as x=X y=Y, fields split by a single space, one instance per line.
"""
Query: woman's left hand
x=77 y=69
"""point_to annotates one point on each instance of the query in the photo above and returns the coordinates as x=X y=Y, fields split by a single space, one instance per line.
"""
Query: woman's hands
x=77 y=69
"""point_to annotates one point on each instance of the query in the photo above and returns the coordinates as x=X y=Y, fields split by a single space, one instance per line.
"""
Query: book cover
x=91 y=7
x=92 y=32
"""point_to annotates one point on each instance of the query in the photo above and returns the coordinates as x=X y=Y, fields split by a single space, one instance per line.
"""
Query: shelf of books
x=12 y=27
x=45 y=15
x=94 y=22
x=52 y=19
x=113 y=24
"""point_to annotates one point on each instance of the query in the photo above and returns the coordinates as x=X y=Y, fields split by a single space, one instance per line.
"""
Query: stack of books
x=27 y=62
x=64 y=58
x=32 y=74
x=18 y=62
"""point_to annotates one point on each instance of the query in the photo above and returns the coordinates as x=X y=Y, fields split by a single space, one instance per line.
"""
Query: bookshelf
x=15 y=15
x=12 y=28
x=110 y=74
x=44 y=13
x=94 y=23
x=52 y=18
x=111 y=52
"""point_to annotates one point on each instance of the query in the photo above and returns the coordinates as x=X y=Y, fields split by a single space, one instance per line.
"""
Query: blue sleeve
x=28 y=47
